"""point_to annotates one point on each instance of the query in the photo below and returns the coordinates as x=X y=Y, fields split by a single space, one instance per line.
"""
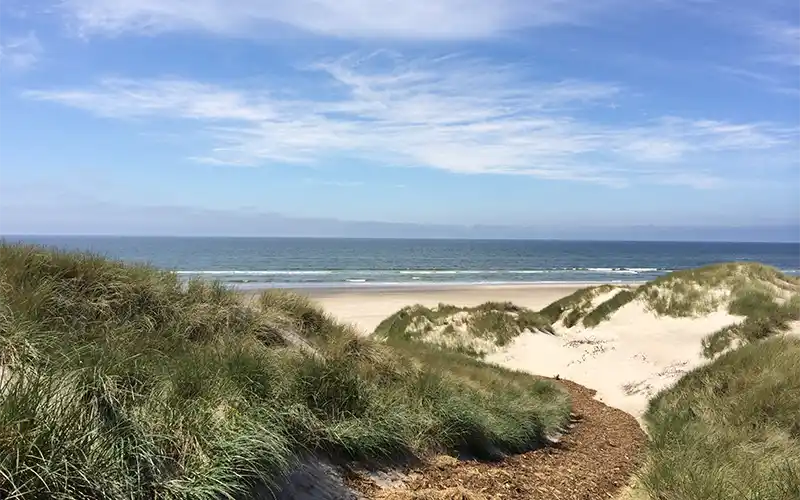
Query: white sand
x=627 y=359
x=366 y=308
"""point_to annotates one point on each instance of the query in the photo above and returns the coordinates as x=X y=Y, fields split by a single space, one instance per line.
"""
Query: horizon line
x=407 y=238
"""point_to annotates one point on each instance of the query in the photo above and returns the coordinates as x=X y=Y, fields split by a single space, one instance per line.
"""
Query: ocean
x=306 y=262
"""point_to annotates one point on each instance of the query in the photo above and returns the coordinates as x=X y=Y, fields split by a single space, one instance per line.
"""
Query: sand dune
x=627 y=359
x=625 y=342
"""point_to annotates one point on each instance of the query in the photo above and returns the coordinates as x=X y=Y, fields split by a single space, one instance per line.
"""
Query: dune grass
x=729 y=429
x=575 y=306
x=605 y=309
x=764 y=317
x=748 y=289
x=119 y=381
x=703 y=290
x=470 y=330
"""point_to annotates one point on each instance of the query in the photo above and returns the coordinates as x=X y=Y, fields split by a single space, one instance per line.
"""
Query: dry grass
x=762 y=320
x=603 y=311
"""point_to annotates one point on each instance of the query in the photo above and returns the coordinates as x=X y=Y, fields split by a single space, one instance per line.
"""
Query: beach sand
x=627 y=360
x=365 y=308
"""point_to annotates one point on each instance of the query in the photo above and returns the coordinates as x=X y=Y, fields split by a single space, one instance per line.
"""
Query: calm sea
x=296 y=262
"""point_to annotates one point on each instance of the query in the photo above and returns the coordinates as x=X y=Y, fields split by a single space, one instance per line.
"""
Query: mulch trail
x=594 y=460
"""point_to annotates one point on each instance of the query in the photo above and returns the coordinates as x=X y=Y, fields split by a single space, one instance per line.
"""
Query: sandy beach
x=366 y=307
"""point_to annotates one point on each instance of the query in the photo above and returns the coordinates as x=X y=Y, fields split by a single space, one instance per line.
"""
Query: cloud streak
x=384 y=19
x=458 y=115
x=782 y=42
x=20 y=53
x=765 y=81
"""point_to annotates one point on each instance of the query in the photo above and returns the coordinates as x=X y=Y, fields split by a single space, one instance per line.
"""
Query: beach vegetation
x=739 y=287
x=605 y=309
x=762 y=319
x=572 y=308
x=120 y=381
x=475 y=330
x=729 y=429
x=761 y=294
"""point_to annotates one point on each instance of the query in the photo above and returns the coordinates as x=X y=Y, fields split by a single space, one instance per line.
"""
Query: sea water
x=310 y=262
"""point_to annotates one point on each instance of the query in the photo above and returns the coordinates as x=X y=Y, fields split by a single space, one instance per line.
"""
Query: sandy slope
x=627 y=359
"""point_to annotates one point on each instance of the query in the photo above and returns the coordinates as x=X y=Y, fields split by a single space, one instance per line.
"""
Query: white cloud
x=782 y=42
x=397 y=19
x=122 y=98
x=20 y=53
x=452 y=114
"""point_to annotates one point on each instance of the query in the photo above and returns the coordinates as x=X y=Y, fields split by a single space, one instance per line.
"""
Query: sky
x=532 y=118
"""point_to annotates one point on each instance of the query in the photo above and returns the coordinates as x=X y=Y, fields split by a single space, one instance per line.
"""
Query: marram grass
x=118 y=381
x=730 y=429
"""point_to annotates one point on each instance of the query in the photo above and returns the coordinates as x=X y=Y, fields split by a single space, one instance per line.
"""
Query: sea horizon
x=321 y=262
x=26 y=236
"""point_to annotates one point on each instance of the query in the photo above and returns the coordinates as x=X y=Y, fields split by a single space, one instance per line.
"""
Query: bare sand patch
x=626 y=359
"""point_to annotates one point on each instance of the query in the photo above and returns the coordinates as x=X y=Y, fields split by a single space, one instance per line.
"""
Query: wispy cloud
x=408 y=19
x=458 y=115
x=20 y=53
x=781 y=40
x=763 y=80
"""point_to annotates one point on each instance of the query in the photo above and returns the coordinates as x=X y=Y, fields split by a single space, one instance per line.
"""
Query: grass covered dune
x=118 y=381
x=475 y=331
x=730 y=429
x=759 y=300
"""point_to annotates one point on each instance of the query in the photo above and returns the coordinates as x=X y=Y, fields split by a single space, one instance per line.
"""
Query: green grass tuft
x=119 y=381
x=765 y=318
x=574 y=306
x=729 y=429
x=607 y=308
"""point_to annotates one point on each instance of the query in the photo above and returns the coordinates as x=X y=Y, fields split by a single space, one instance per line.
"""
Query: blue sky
x=524 y=113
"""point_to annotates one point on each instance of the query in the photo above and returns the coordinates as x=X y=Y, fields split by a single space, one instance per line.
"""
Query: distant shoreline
x=425 y=288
